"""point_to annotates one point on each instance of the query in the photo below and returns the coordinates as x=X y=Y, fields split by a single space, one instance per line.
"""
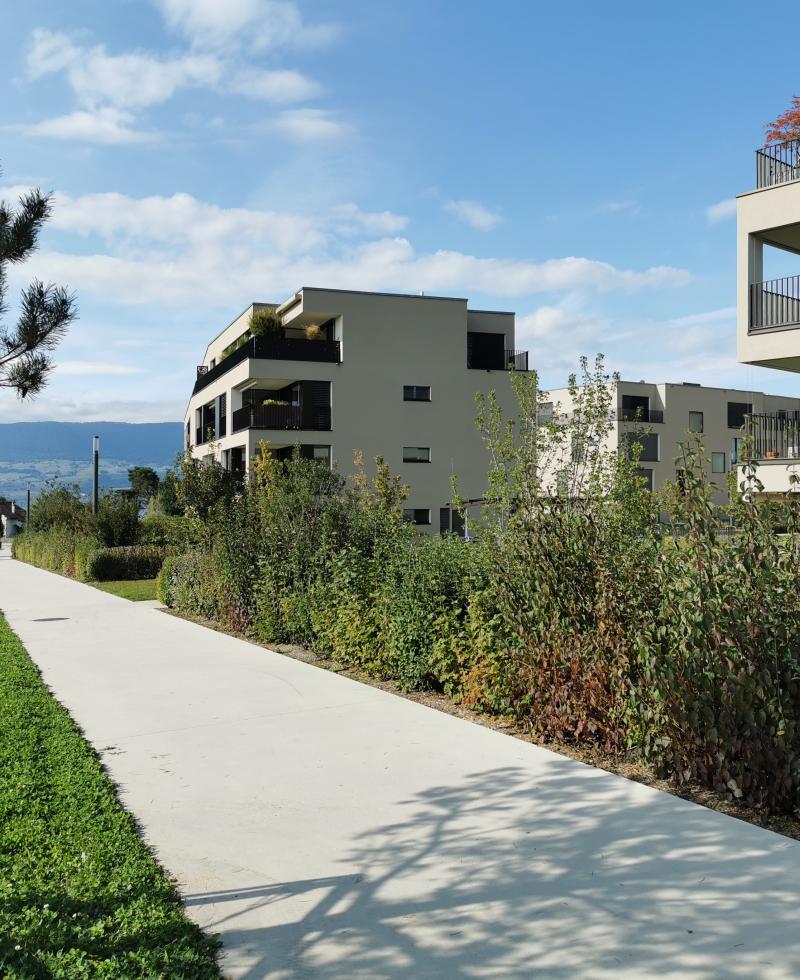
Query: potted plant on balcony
x=265 y=323
x=313 y=331
x=274 y=401
x=772 y=454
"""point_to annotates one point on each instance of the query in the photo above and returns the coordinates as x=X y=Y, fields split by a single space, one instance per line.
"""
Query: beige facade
x=768 y=300
x=388 y=375
x=670 y=412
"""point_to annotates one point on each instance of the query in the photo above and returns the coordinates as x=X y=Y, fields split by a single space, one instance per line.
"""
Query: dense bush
x=170 y=531
x=126 y=563
x=57 y=549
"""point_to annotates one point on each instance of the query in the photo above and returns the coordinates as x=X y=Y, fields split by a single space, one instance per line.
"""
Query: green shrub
x=169 y=531
x=57 y=549
x=191 y=584
x=117 y=519
x=124 y=563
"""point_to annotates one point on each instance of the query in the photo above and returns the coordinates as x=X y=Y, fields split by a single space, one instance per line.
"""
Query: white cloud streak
x=474 y=214
x=721 y=211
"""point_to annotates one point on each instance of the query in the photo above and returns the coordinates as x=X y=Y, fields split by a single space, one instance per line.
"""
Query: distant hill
x=31 y=453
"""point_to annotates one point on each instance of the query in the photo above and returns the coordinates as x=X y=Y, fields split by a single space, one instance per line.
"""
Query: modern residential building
x=768 y=300
x=386 y=374
x=663 y=415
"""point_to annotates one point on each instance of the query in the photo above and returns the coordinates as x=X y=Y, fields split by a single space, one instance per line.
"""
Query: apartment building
x=663 y=415
x=387 y=374
x=768 y=300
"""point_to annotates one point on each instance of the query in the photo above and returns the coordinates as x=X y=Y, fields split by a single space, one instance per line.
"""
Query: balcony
x=507 y=360
x=282 y=417
x=778 y=163
x=774 y=304
x=775 y=436
x=644 y=415
x=287 y=349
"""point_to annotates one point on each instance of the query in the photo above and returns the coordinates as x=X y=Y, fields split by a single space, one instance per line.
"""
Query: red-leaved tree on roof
x=787 y=125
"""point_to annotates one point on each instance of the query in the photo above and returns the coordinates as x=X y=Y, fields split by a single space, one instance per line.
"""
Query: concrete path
x=327 y=829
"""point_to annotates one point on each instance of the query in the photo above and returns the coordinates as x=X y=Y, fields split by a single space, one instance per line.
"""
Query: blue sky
x=574 y=162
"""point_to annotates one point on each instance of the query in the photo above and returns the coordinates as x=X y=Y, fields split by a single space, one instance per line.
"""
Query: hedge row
x=82 y=556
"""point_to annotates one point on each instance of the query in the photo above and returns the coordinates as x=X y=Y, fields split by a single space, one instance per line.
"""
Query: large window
x=416 y=393
x=421 y=516
x=647 y=476
x=648 y=442
x=718 y=463
x=737 y=412
x=736 y=448
x=416 y=454
x=695 y=421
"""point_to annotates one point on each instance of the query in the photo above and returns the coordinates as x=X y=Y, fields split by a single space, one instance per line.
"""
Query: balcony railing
x=288 y=349
x=773 y=436
x=646 y=416
x=511 y=360
x=778 y=163
x=281 y=417
x=775 y=303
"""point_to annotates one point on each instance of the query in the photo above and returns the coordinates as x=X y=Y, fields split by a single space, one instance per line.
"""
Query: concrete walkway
x=327 y=829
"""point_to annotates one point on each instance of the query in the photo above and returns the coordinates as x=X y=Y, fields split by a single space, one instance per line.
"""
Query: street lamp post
x=95 y=472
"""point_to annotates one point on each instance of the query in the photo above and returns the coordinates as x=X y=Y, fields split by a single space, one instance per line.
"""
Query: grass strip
x=136 y=590
x=81 y=896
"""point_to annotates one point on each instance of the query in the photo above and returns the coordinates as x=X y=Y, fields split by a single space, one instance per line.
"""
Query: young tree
x=45 y=311
x=144 y=481
x=787 y=125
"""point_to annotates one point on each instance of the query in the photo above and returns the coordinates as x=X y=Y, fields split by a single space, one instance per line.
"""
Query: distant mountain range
x=31 y=453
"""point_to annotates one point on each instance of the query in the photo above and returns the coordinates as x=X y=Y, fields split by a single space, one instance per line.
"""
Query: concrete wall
x=387 y=341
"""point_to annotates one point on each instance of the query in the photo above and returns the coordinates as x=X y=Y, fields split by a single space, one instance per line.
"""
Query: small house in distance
x=12 y=519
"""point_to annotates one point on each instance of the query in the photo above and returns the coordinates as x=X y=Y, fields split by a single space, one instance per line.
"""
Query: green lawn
x=135 y=590
x=80 y=894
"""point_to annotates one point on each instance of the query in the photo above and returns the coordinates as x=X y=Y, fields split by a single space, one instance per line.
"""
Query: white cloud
x=474 y=214
x=260 y=24
x=279 y=87
x=310 y=125
x=71 y=409
x=373 y=222
x=110 y=88
x=126 y=81
x=110 y=126
x=721 y=210
x=95 y=367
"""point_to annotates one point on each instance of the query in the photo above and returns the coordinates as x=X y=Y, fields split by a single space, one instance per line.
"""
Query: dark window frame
x=412 y=516
x=426 y=449
x=410 y=393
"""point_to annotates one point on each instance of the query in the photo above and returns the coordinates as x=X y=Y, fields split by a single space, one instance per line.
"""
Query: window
x=420 y=516
x=647 y=476
x=737 y=412
x=635 y=408
x=736 y=448
x=649 y=443
x=416 y=454
x=416 y=393
x=451 y=520
x=718 y=462
x=322 y=454
x=695 y=421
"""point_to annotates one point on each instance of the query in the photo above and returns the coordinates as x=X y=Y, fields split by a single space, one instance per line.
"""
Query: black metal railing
x=778 y=163
x=644 y=415
x=516 y=360
x=773 y=436
x=288 y=349
x=496 y=360
x=775 y=303
x=281 y=417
